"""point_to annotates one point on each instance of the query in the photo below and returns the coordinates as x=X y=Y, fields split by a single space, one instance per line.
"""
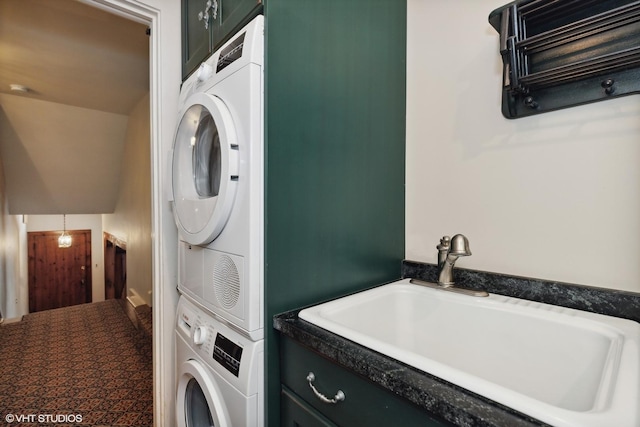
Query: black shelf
x=561 y=53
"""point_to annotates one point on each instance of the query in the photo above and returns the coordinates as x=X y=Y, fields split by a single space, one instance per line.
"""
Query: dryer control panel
x=230 y=53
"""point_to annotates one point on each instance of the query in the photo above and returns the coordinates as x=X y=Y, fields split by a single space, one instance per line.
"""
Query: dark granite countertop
x=448 y=401
x=610 y=302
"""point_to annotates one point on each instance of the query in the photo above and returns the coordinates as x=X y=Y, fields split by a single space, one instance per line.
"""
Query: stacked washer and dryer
x=217 y=190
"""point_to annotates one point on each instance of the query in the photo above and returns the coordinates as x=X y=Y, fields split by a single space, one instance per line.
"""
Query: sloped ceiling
x=61 y=141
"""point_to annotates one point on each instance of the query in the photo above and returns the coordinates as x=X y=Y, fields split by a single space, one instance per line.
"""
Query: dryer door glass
x=197 y=412
x=205 y=169
x=206 y=156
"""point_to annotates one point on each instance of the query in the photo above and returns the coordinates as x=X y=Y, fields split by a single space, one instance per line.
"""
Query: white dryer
x=219 y=373
x=217 y=182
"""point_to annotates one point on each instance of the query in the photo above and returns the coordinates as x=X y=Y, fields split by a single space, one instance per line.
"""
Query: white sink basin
x=562 y=366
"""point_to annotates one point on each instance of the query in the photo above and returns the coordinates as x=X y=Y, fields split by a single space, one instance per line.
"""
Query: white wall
x=76 y=222
x=46 y=156
x=131 y=220
x=554 y=196
x=13 y=267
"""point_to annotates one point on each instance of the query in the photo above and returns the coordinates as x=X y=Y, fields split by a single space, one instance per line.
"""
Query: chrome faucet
x=449 y=250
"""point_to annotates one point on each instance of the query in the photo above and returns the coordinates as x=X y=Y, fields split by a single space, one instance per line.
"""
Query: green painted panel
x=335 y=91
x=335 y=152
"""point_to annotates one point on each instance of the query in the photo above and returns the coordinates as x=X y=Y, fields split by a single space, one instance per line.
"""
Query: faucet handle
x=444 y=243
x=443 y=250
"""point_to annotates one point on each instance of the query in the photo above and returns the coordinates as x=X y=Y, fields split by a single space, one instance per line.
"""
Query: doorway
x=58 y=277
x=115 y=267
x=163 y=17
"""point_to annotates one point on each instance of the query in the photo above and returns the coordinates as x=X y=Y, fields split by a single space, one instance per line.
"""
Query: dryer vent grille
x=226 y=282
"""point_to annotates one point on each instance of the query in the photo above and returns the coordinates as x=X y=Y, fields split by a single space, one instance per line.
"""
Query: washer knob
x=199 y=335
x=204 y=72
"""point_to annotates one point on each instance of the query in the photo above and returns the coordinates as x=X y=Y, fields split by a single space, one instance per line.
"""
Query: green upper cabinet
x=207 y=24
x=233 y=15
x=196 y=39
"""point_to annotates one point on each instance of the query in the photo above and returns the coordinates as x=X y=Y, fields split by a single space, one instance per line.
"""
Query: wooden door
x=58 y=277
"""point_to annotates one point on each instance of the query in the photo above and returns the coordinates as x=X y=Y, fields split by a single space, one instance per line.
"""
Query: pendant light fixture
x=64 y=241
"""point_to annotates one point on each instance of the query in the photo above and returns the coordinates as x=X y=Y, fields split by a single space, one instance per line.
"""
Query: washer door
x=199 y=402
x=205 y=168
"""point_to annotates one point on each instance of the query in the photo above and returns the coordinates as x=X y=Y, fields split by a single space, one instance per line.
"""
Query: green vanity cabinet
x=364 y=404
x=223 y=18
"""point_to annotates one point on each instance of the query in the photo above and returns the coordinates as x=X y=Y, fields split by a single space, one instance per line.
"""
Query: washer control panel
x=227 y=353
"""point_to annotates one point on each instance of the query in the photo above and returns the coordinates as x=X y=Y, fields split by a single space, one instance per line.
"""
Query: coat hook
x=608 y=86
x=529 y=102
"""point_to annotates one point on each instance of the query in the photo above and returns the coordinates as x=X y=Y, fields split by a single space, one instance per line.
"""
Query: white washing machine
x=219 y=373
x=217 y=182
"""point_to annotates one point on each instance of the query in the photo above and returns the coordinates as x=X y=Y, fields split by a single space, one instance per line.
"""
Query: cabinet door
x=365 y=403
x=196 y=39
x=296 y=413
x=232 y=16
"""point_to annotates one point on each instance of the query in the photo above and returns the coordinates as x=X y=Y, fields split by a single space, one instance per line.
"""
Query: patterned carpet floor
x=85 y=365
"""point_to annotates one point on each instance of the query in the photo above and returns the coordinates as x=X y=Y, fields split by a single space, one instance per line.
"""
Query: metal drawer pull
x=338 y=397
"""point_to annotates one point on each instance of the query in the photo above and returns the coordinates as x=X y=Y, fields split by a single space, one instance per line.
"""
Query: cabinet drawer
x=297 y=413
x=365 y=403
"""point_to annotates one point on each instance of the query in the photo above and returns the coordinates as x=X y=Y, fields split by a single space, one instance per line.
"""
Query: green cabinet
x=196 y=40
x=364 y=404
x=207 y=24
x=232 y=15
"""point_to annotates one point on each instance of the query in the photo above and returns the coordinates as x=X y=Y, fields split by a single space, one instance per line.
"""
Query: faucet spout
x=455 y=248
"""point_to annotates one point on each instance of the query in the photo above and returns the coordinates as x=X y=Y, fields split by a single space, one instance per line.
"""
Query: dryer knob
x=199 y=335
x=204 y=72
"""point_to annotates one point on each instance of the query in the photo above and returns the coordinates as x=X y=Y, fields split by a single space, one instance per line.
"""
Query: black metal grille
x=560 y=53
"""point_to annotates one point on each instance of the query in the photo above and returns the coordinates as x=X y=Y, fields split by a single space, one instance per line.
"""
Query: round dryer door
x=205 y=169
x=198 y=400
